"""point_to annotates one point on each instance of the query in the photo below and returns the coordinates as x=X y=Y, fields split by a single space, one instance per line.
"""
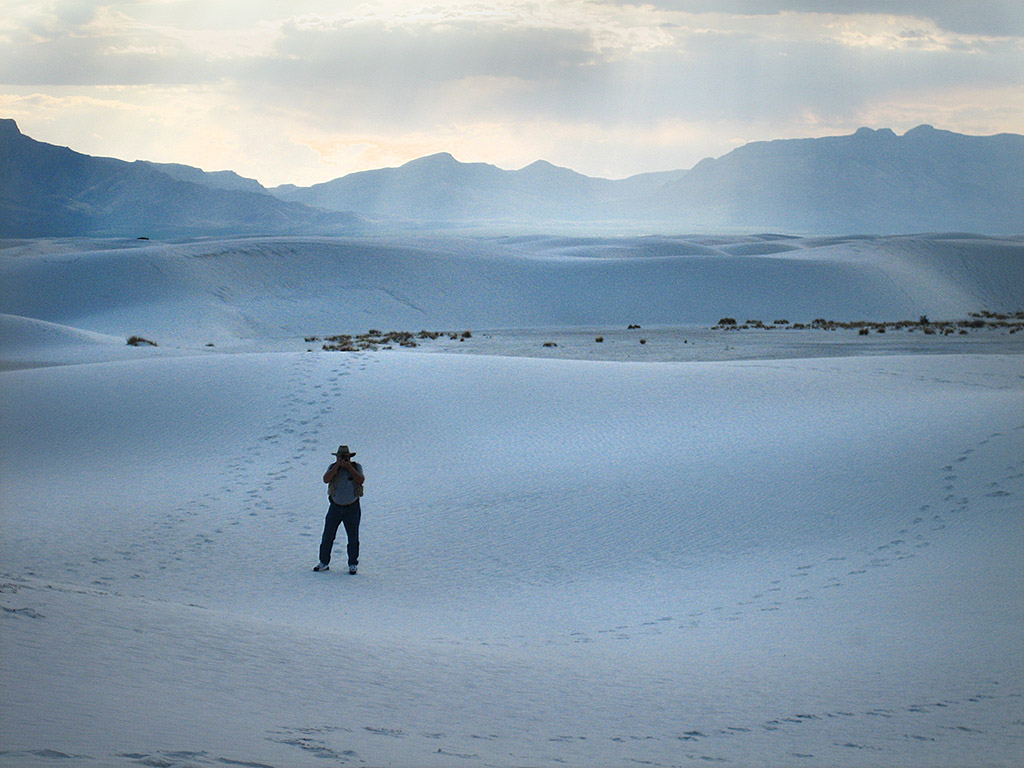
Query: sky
x=304 y=91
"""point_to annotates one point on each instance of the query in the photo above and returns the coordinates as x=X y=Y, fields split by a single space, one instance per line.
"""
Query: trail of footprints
x=299 y=425
x=704 y=744
x=925 y=721
x=247 y=490
x=294 y=431
x=811 y=580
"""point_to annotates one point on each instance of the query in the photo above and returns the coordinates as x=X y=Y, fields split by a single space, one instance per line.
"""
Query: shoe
x=352 y=569
x=321 y=567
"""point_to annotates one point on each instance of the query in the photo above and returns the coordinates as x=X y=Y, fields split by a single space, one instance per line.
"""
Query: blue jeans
x=348 y=516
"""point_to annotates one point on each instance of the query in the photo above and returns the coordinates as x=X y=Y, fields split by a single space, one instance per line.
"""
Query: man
x=344 y=480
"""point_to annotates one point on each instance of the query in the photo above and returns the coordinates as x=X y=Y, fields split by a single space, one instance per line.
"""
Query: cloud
x=334 y=82
x=983 y=17
x=381 y=55
x=102 y=61
x=429 y=73
x=75 y=42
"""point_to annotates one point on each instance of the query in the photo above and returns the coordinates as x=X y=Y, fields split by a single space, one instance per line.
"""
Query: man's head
x=344 y=453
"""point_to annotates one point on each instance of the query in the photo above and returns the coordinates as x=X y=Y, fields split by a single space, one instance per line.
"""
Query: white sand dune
x=27 y=342
x=565 y=562
x=216 y=291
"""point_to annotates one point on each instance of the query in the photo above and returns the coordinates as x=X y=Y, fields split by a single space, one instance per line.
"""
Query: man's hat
x=343 y=451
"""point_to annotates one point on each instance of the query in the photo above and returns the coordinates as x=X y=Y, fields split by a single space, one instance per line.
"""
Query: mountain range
x=49 y=191
x=870 y=182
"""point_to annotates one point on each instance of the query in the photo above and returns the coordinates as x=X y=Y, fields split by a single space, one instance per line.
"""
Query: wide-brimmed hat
x=343 y=451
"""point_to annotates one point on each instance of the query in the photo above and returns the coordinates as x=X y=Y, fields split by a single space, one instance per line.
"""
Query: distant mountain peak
x=886 y=133
x=440 y=160
x=8 y=127
x=543 y=167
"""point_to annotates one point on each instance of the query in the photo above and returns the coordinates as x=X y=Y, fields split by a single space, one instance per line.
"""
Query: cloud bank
x=306 y=91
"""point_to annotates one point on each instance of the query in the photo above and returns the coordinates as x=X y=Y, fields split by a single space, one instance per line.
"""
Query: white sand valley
x=775 y=560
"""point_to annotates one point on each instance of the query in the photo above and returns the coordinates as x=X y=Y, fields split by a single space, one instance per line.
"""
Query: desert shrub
x=643 y=341
x=599 y=339
x=727 y=321
x=864 y=331
x=138 y=341
x=550 y=344
x=632 y=327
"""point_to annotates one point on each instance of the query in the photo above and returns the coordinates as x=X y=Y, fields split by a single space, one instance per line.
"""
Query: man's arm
x=357 y=476
x=331 y=472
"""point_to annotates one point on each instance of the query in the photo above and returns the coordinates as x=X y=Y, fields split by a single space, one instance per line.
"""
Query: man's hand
x=344 y=464
x=355 y=473
x=332 y=471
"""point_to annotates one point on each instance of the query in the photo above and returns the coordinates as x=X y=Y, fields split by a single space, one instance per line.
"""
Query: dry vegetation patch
x=1012 y=323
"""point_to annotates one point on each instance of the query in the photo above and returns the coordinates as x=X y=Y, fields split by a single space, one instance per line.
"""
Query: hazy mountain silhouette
x=47 y=190
x=871 y=182
x=214 y=179
x=439 y=188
